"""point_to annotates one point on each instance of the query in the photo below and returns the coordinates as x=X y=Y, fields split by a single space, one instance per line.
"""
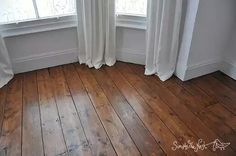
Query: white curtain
x=96 y=32
x=163 y=24
x=6 y=72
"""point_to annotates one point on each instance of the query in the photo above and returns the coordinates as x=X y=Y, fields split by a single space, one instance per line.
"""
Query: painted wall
x=230 y=55
x=229 y=58
x=41 y=50
x=46 y=49
x=207 y=27
x=131 y=45
x=212 y=29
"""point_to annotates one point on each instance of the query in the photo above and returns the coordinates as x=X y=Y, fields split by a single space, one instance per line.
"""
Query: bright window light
x=16 y=10
x=51 y=8
x=13 y=11
x=131 y=7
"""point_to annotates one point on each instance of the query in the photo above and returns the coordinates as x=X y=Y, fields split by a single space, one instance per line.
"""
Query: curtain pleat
x=163 y=26
x=6 y=73
x=96 y=32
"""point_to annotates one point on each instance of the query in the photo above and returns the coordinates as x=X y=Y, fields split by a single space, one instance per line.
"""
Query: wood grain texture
x=166 y=113
x=95 y=133
x=226 y=80
x=145 y=112
x=217 y=90
x=3 y=95
x=140 y=135
x=73 y=131
x=11 y=128
x=120 y=139
x=32 y=143
x=179 y=105
x=54 y=143
x=74 y=110
x=205 y=113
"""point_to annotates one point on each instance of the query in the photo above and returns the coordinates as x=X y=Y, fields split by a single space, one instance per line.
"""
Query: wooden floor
x=74 y=110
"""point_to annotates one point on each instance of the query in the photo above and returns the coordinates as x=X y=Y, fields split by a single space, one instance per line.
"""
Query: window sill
x=43 y=25
x=36 y=26
x=135 y=22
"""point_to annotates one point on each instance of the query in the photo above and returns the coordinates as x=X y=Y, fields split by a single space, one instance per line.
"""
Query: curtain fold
x=96 y=32
x=6 y=73
x=163 y=26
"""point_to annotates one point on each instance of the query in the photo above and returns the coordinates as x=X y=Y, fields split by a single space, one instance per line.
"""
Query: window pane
x=131 y=7
x=49 y=8
x=16 y=10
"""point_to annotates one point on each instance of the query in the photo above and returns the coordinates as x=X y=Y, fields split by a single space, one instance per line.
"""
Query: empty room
x=117 y=77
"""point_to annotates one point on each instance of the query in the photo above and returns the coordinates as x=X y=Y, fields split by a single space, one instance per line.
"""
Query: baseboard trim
x=44 y=60
x=229 y=69
x=126 y=55
x=197 y=70
x=51 y=59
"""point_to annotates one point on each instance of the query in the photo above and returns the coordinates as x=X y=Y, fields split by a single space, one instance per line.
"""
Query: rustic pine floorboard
x=74 y=110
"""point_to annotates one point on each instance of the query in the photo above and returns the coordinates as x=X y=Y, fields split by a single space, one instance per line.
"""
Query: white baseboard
x=51 y=59
x=44 y=60
x=193 y=71
x=180 y=71
x=229 y=69
x=128 y=55
x=187 y=73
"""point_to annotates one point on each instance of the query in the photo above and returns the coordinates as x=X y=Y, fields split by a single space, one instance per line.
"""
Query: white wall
x=52 y=48
x=187 y=28
x=207 y=27
x=41 y=50
x=131 y=45
x=229 y=58
x=212 y=29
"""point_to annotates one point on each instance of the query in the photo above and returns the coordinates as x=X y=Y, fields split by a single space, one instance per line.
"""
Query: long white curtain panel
x=163 y=26
x=6 y=72
x=96 y=32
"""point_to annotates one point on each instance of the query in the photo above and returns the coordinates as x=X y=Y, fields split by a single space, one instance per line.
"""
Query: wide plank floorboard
x=74 y=110
x=32 y=142
x=12 y=123
x=3 y=95
x=73 y=131
x=205 y=114
x=175 y=103
x=214 y=88
x=96 y=135
x=140 y=135
x=116 y=131
x=54 y=141
x=152 y=121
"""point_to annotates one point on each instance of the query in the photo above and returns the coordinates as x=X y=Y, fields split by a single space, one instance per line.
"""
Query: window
x=131 y=7
x=131 y=13
x=13 y=11
x=51 y=8
x=18 y=17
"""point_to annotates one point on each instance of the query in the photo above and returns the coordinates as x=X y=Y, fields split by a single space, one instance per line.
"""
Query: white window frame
x=131 y=21
x=62 y=22
x=38 y=25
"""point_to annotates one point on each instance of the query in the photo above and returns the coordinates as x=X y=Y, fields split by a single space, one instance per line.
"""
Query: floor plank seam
x=96 y=111
x=39 y=109
x=77 y=110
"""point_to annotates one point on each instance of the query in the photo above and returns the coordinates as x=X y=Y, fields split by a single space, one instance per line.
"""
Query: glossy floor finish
x=74 y=110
